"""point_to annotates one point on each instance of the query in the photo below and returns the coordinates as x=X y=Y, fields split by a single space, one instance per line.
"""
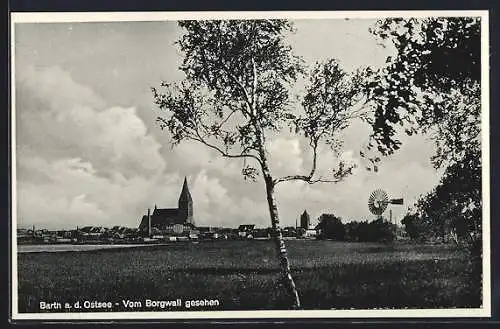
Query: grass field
x=245 y=275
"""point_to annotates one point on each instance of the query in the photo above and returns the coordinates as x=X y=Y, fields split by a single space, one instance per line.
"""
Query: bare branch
x=337 y=176
x=361 y=112
x=306 y=179
x=226 y=119
x=225 y=154
x=309 y=177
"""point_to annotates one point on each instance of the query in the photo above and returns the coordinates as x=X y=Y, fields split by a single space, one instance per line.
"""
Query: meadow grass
x=244 y=275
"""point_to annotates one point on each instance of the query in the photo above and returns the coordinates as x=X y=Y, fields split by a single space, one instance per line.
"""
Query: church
x=164 y=219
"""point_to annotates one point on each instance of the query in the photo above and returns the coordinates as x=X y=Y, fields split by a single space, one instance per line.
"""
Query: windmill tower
x=378 y=202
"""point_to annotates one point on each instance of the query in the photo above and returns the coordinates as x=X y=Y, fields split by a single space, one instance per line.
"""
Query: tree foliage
x=236 y=91
x=433 y=86
x=331 y=227
x=377 y=230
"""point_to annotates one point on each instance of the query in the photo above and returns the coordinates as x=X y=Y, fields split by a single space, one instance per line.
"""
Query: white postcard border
x=484 y=311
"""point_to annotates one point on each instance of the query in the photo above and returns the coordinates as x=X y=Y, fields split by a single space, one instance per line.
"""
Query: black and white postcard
x=203 y=165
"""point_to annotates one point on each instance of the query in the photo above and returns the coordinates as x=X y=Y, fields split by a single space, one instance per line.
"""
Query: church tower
x=186 y=204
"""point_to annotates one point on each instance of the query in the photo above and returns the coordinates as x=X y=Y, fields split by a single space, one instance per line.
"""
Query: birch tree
x=237 y=93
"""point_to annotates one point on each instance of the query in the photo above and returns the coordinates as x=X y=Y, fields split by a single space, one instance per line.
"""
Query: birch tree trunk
x=278 y=238
x=275 y=221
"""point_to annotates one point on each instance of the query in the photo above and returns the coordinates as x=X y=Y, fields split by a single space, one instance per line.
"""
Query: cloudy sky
x=90 y=153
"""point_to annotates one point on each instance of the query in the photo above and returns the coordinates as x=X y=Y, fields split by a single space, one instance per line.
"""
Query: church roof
x=161 y=217
x=165 y=212
x=144 y=222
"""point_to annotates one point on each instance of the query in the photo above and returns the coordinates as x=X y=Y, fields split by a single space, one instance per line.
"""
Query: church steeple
x=185 y=189
x=186 y=203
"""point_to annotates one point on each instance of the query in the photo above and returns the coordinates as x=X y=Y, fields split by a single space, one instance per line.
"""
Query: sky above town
x=89 y=150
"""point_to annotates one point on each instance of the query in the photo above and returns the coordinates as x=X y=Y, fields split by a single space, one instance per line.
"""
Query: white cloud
x=114 y=139
x=54 y=84
x=72 y=193
x=213 y=205
x=49 y=211
x=63 y=122
x=78 y=162
x=196 y=156
x=285 y=156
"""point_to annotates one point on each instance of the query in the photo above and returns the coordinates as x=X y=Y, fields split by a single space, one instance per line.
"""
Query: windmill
x=378 y=202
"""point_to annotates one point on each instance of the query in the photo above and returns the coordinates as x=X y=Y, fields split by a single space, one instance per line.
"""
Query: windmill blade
x=377 y=202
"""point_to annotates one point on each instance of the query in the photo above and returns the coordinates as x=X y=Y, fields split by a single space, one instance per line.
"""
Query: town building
x=245 y=231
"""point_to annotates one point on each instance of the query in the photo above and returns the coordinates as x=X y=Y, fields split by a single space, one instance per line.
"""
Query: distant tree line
x=379 y=230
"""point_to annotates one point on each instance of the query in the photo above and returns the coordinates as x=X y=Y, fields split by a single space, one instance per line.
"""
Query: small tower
x=305 y=220
x=186 y=204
